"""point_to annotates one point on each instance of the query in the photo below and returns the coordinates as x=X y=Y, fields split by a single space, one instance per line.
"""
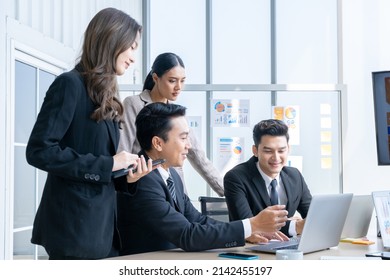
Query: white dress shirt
x=245 y=223
x=281 y=194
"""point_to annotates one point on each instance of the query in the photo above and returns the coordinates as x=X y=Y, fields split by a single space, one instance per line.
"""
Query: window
x=32 y=78
x=266 y=53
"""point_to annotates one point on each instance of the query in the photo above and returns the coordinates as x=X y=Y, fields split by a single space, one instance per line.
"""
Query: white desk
x=342 y=250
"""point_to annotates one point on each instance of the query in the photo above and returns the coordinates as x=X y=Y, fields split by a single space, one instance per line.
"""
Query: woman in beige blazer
x=164 y=84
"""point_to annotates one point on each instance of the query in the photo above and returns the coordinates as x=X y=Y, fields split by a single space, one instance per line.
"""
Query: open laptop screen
x=382 y=209
x=359 y=217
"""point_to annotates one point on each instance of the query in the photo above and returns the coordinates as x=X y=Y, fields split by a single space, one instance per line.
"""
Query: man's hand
x=271 y=219
x=299 y=224
x=256 y=238
x=265 y=237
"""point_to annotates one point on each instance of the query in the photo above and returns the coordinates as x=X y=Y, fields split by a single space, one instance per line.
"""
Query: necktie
x=274 y=193
x=171 y=188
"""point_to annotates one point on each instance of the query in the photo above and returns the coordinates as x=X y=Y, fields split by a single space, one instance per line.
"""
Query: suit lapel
x=165 y=187
x=179 y=204
x=113 y=131
x=258 y=181
x=287 y=187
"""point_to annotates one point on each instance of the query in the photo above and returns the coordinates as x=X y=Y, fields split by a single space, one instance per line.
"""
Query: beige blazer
x=196 y=156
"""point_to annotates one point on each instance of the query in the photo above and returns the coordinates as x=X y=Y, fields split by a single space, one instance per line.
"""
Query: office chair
x=214 y=207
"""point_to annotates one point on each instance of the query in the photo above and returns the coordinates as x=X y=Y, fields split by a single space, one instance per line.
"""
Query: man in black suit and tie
x=159 y=215
x=264 y=180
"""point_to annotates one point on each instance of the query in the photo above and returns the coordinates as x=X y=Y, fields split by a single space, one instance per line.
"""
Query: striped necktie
x=171 y=188
x=274 y=192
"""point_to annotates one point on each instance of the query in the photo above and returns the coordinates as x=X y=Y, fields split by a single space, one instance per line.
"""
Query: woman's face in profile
x=126 y=58
x=171 y=83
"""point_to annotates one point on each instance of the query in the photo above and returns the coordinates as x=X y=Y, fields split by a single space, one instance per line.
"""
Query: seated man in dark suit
x=159 y=216
x=248 y=188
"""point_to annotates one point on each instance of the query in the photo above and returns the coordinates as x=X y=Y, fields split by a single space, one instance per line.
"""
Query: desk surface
x=343 y=250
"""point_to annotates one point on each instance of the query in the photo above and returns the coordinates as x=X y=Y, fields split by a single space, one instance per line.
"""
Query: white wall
x=366 y=35
x=64 y=21
x=2 y=128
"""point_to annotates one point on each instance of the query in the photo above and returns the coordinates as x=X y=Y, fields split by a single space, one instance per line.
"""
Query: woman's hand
x=142 y=168
x=123 y=160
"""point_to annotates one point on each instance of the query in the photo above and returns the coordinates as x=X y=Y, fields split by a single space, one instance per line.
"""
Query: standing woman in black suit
x=75 y=139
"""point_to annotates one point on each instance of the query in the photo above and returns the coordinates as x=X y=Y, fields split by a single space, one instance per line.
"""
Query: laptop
x=323 y=226
x=359 y=217
x=382 y=208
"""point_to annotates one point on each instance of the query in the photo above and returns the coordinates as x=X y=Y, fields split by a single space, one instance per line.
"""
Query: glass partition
x=31 y=84
x=315 y=137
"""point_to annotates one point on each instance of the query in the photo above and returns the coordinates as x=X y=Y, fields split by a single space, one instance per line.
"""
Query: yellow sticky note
x=326 y=163
x=326 y=150
x=326 y=136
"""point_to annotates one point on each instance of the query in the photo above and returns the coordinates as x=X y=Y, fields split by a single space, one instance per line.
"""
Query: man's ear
x=254 y=150
x=157 y=143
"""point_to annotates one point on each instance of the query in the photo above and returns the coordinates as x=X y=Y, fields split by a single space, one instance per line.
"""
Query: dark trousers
x=113 y=253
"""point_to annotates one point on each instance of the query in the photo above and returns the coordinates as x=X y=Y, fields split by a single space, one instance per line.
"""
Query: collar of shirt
x=266 y=178
x=282 y=194
x=279 y=187
x=164 y=173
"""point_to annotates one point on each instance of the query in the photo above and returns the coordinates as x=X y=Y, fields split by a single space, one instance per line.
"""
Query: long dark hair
x=109 y=33
x=162 y=64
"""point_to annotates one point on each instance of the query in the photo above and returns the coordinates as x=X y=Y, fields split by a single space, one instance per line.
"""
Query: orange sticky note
x=363 y=242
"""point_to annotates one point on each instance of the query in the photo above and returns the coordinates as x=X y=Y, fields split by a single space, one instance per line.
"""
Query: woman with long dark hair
x=164 y=84
x=75 y=139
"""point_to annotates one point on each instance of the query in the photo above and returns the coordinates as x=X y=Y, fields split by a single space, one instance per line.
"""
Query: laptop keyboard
x=295 y=246
x=294 y=240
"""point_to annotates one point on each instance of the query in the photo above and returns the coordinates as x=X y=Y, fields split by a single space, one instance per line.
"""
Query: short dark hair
x=162 y=64
x=155 y=120
x=271 y=127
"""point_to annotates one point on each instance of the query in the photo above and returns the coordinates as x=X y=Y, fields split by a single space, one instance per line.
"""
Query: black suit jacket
x=149 y=220
x=77 y=210
x=246 y=193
